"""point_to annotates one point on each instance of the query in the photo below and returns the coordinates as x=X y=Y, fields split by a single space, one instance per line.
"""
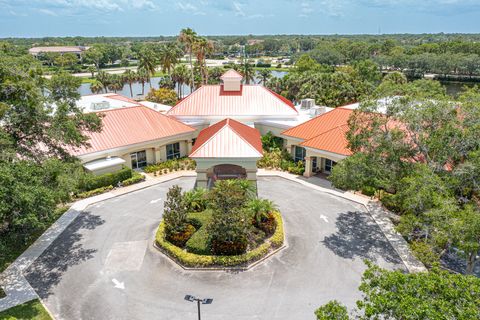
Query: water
x=454 y=88
x=137 y=86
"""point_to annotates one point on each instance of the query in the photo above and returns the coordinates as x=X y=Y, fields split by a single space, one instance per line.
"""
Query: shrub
x=228 y=248
x=332 y=311
x=163 y=167
x=425 y=253
x=271 y=142
x=368 y=191
x=180 y=238
x=94 y=192
x=199 y=243
x=136 y=177
x=91 y=182
x=296 y=168
x=196 y=200
x=261 y=211
x=175 y=213
x=195 y=260
x=162 y=95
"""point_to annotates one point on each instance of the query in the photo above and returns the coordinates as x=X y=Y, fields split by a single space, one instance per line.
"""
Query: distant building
x=37 y=51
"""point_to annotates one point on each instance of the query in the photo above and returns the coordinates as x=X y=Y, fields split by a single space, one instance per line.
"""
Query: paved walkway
x=18 y=290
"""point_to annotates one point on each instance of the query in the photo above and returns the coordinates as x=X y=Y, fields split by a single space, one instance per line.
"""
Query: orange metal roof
x=333 y=140
x=231 y=74
x=320 y=124
x=325 y=132
x=127 y=126
x=228 y=139
x=251 y=100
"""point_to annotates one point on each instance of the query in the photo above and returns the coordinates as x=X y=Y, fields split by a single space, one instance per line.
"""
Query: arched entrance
x=225 y=171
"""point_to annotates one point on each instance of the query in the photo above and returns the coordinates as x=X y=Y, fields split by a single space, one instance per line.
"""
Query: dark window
x=329 y=164
x=173 y=151
x=299 y=154
x=139 y=159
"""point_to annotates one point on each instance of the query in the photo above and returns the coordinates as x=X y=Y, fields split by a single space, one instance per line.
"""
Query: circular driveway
x=103 y=266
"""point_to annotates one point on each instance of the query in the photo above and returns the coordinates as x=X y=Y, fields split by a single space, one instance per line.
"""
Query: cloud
x=47 y=12
x=238 y=9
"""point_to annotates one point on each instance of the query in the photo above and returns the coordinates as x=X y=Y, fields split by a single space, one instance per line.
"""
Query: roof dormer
x=232 y=80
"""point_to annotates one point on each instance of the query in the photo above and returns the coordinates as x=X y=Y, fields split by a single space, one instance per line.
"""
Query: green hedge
x=199 y=242
x=195 y=260
x=94 y=192
x=136 y=177
x=171 y=165
x=92 y=182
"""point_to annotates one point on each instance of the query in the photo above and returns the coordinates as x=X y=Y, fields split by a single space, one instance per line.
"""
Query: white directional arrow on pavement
x=156 y=200
x=324 y=218
x=118 y=284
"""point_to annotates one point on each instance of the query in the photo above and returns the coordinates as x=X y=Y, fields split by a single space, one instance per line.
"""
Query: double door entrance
x=139 y=159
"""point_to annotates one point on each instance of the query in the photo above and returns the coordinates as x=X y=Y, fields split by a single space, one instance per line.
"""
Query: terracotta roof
x=228 y=139
x=231 y=74
x=251 y=100
x=127 y=126
x=324 y=122
x=333 y=140
x=325 y=132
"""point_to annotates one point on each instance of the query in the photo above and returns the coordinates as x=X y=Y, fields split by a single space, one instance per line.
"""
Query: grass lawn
x=29 y=310
x=11 y=247
x=88 y=80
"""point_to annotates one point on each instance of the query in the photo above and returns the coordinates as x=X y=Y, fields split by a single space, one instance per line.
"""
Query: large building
x=77 y=50
x=220 y=126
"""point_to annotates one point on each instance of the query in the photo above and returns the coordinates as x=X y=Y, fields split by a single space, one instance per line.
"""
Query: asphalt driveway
x=103 y=266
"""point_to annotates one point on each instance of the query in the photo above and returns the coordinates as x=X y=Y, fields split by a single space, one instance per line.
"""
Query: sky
x=39 y=18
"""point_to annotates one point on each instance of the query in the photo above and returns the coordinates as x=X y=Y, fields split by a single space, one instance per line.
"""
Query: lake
x=137 y=86
x=453 y=87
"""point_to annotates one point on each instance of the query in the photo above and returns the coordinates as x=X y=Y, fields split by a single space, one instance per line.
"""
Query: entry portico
x=226 y=150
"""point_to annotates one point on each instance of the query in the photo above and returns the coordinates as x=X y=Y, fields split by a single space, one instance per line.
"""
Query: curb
x=221 y=269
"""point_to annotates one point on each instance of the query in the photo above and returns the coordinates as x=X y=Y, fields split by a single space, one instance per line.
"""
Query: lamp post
x=199 y=301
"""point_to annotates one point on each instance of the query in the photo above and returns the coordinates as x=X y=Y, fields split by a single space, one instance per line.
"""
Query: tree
x=180 y=77
x=188 y=37
x=92 y=70
x=147 y=62
x=93 y=55
x=306 y=63
x=130 y=77
x=168 y=57
x=333 y=310
x=265 y=74
x=163 y=96
x=202 y=47
x=143 y=77
x=436 y=294
x=175 y=211
x=96 y=87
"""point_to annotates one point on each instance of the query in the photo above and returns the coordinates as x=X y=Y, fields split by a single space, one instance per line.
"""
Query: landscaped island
x=222 y=227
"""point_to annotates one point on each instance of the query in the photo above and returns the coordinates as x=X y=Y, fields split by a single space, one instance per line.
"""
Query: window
x=173 y=151
x=139 y=159
x=329 y=164
x=299 y=154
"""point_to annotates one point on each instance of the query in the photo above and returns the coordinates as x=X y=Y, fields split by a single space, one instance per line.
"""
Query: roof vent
x=317 y=110
x=306 y=104
x=232 y=80
x=100 y=105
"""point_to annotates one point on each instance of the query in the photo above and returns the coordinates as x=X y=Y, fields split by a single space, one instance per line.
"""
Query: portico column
x=308 y=167
x=156 y=155
x=251 y=174
x=189 y=146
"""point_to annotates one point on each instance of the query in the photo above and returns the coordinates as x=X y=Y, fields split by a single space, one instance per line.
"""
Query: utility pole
x=199 y=301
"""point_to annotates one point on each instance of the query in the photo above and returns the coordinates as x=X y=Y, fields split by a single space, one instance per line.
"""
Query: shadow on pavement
x=65 y=252
x=359 y=236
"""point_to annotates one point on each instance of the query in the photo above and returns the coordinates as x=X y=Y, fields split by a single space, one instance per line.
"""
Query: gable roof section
x=127 y=126
x=251 y=100
x=333 y=140
x=231 y=74
x=320 y=124
x=228 y=139
x=326 y=132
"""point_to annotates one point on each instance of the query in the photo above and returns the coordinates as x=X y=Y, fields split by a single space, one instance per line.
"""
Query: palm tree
x=104 y=79
x=116 y=83
x=143 y=77
x=265 y=74
x=180 y=77
x=168 y=57
x=130 y=77
x=248 y=73
x=203 y=47
x=188 y=37
x=147 y=61
x=260 y=209
x=96 y=87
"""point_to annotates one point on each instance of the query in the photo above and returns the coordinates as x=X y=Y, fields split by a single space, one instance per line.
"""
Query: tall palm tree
x=265 y=74
x=248 y=73
x=180 y=76
x=116 y=83
x=168 y=57
x=188 y=37
x=130 y=77
x=104 y=79
x=148 y=62
x=202 y=47
x=143 y=77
